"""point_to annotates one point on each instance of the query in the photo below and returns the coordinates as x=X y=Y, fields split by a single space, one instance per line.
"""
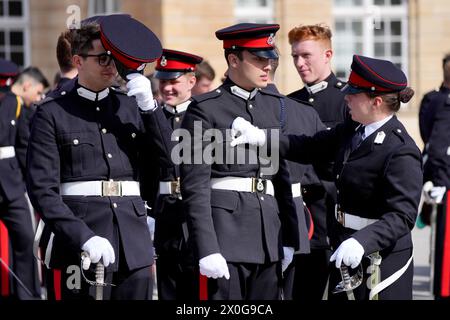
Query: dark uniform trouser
x=399 y=290
x=136 y=284
x=17 y=219
x=248 y=281
x=311 y=275
x=176 y=279
x=311 y=271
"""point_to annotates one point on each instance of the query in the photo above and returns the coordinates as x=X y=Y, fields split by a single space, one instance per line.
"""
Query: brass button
x=109 y=155
x=75 y=141
x=177 y=119
x=133 y=135
x=104 y=130
x=262 y=198
x=13 y=122
x=97 y=109
x=115 y=205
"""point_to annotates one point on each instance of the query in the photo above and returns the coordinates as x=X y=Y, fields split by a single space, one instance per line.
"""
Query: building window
x=14 y=35
x=254 y=11
x=99 y=7
x=375 y=28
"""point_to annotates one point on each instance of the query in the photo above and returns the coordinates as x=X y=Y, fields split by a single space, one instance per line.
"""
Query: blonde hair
x=317 y=32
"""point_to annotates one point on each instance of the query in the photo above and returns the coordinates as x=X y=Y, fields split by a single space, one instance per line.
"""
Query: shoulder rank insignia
x=380 y=137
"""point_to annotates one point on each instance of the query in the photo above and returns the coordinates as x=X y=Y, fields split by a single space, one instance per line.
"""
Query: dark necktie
x=357 y=138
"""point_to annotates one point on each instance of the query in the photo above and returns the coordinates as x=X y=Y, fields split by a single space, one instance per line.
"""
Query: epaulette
x=118 y=90
x=54 y=95
x=339 y=84
x=399 y=133
x=209 y=95
x=301 y=101
x=271 y=93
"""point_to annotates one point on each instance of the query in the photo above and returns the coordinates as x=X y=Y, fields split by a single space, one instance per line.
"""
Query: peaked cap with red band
x=173 y=64
x=254 y=37
x=130 y=42
x=374 y=75
x=8 y=71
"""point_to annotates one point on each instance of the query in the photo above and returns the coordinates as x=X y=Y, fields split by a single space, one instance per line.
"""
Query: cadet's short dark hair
x=205 y=70
x=64 y=50
x=83 y=37
x=33 y=73
x=238 y=53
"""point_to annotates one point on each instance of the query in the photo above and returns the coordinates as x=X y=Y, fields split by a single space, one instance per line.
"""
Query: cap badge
x=163 y=61
x=271 y=39
x=380 y=137
x=141 y=67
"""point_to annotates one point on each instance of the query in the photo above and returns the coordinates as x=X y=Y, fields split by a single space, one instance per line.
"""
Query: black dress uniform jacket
x=11 y=181
x=377 y=181
x=431 y=101
x=170 y=228
x=14 y=210
x=78 y=139
x=299 y=118
x=437 y=170
x=244 y=227
x=332 y=109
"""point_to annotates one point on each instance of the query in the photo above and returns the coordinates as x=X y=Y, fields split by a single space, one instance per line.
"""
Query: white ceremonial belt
x=296 y=190
x=170 y=187
x=7 y=152
x=351 y=221
x=243 y=184
x=390 y=280
x=100 y=188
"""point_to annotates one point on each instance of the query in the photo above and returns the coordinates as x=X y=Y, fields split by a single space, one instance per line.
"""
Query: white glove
x=433 y=194
x=288 y=256
x=140 y=87
x=98 y=248
x=214 y=266
x=437 y=193
x=350 y=252
x=243 y=132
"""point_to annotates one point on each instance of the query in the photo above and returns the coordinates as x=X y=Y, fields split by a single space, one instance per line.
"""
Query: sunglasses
x=104 y=59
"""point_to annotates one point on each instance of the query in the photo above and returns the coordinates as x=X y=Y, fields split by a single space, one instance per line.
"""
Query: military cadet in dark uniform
x=435 y=128
x=431 y=101
x=377 y=198
x=83 y=158
x=177 y=272
x=312 y=53
x=240 y=212
x=296 y=118
x=14 y=210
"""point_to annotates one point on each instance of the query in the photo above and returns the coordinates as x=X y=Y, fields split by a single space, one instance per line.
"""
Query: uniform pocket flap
x=224 y=199
x=139 y=207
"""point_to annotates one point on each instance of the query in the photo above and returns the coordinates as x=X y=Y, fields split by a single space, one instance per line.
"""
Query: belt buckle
x=175 y=188
x=111 y=189
x=259 y=185
x=340 y=217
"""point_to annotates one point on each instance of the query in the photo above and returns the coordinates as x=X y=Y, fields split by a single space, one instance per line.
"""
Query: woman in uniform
x=378 y=176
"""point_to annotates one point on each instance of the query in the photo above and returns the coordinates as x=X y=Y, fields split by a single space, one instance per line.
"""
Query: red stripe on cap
x=57 y=283
x=127 y=60
x=203 y=287
x=445 y=278
x=4 y=254
x=378 y=76
x=358 y=81
x=248 y=43
x=174 y=65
